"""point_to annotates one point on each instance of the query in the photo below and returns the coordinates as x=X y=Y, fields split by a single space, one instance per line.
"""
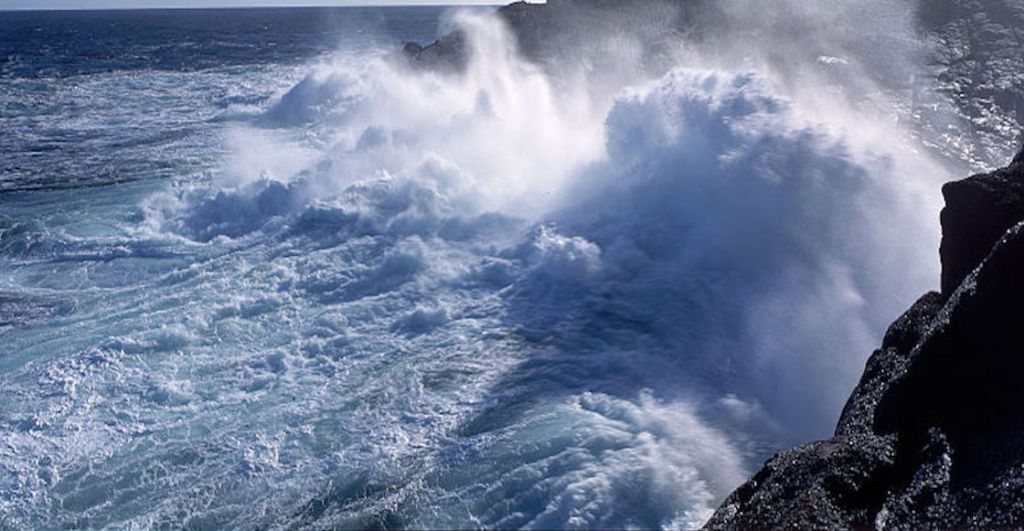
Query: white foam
x=443 y=300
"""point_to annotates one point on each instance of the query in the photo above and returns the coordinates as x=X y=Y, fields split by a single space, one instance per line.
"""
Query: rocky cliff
x=932 y=437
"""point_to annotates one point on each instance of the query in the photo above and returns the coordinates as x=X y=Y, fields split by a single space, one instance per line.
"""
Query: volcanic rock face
x=886 y=364
x=978 y=211
x=932 y=436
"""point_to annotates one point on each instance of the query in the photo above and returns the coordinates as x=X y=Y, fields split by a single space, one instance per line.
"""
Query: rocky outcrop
x=978 y=211
x=532 y=24
x=446 y=53
x=886 y=364
x=932 y=437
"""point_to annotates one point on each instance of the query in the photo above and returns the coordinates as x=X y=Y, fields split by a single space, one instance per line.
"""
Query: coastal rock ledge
x=933 y=435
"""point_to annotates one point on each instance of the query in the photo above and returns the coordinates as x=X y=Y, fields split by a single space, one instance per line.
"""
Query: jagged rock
x=932 y=436
x=447 y=53
x=965 y=376
x=956 y=409
x=886 y=364
x=978 y=211
x=823 y=485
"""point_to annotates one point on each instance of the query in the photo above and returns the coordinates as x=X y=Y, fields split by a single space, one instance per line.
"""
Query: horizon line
x=300 y=5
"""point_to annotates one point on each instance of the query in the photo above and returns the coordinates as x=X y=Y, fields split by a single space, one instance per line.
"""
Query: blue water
x=255 y=274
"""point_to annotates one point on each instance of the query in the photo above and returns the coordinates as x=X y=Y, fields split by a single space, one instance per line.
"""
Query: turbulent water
x=255 y=273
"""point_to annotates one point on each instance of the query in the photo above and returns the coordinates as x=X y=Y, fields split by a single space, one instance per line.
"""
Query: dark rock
x=957 y=409
x=446 y=54
x=965 y=377
x=831 y=484
x=449 y=52
x=886 y=364
x=932 y=437
x=978 y=211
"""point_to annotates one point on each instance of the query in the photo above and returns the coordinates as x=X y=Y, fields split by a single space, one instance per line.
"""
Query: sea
x=258 y=273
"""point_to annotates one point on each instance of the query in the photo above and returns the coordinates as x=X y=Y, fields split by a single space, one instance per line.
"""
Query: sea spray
x=471 y=300
x=720 y=241
x=756 y=244
x=699 y=238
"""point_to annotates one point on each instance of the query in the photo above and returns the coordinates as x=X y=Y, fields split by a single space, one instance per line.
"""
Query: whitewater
x=333 y=291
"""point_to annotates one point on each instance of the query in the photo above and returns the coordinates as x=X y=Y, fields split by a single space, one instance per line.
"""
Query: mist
x=588 y=284
x=744 y=203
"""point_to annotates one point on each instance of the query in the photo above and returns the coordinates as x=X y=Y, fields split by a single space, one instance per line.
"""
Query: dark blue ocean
x=255 y=272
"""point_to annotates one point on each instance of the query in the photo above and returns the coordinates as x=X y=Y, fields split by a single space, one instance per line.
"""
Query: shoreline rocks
x=932 y=436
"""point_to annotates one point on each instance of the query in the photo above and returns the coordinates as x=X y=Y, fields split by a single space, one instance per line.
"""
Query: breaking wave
x=451 y=300
x=702 y=209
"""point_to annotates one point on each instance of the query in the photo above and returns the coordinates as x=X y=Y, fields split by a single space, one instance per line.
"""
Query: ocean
x=254 y=273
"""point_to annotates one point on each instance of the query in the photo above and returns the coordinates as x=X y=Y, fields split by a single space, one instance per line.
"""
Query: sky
x=111 y=4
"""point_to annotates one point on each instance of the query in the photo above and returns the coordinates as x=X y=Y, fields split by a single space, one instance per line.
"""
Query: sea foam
x=487 y=299
x=702 y=238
